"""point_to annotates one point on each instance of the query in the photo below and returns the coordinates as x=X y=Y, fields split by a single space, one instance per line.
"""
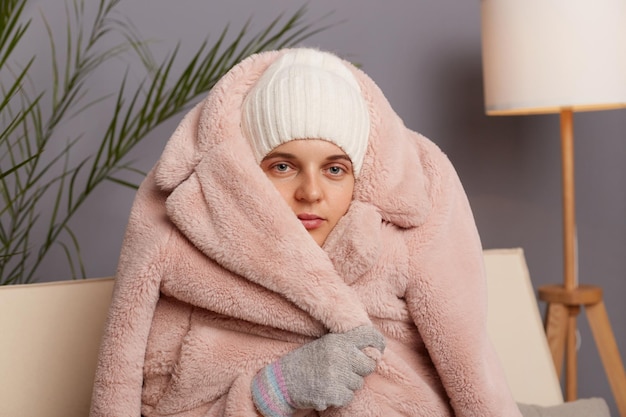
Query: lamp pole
x=570 y=260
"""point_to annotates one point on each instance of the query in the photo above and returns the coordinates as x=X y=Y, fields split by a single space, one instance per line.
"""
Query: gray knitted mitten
x=320 y=374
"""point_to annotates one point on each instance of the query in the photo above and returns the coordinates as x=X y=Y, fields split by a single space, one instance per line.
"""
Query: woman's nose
x=309 y=189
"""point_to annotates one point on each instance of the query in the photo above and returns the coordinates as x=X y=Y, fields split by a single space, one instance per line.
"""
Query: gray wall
x=426 y=57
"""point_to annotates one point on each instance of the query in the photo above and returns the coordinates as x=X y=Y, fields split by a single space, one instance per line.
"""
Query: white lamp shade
x=542 y=56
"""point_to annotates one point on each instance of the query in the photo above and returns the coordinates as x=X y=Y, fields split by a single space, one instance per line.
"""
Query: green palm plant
x=34 y=173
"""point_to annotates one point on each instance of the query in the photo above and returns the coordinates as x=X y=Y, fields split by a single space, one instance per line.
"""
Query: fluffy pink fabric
x=217 y=277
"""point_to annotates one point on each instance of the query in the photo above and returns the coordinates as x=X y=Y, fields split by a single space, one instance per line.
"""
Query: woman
x=369 y=301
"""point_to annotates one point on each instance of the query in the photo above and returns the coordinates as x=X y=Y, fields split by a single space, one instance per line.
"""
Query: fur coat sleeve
x=217 y=278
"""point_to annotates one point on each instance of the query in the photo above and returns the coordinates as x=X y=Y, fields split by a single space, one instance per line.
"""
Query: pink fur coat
x=218 y=278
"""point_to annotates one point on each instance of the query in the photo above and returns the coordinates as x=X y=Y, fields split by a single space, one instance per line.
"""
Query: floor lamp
x=561 y=56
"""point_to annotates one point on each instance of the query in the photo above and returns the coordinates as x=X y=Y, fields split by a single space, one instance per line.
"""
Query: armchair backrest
x=516 y=329
x=49 y=340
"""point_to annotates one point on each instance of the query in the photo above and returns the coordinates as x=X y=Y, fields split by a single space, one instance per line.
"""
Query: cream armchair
x=50 y=333
x=49 y=340
x=516 y=329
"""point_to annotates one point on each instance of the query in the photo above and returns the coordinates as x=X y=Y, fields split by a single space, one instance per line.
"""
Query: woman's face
x=315 y=178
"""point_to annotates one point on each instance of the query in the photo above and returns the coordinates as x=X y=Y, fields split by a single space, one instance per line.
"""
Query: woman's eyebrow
x=285 y=155
x=338 y=157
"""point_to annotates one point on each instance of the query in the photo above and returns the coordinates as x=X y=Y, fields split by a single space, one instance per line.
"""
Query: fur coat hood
x=218 y=278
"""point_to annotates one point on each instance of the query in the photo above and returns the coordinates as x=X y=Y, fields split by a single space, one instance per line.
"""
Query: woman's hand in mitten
x=320 y=374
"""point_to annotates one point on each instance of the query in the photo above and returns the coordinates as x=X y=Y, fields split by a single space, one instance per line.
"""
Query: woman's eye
x=335 y=170
x=281 y=167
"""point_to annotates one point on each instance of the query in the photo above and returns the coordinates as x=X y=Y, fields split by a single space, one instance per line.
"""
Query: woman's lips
x=310 y=221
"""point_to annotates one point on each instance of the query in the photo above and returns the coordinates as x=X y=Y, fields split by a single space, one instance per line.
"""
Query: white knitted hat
x=307 y=94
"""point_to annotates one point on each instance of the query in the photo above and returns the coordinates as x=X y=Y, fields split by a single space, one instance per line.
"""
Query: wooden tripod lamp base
x=563 y=307
x=564 y=302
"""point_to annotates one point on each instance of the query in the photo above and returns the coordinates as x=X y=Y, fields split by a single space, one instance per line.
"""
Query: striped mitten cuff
x=269 y=392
